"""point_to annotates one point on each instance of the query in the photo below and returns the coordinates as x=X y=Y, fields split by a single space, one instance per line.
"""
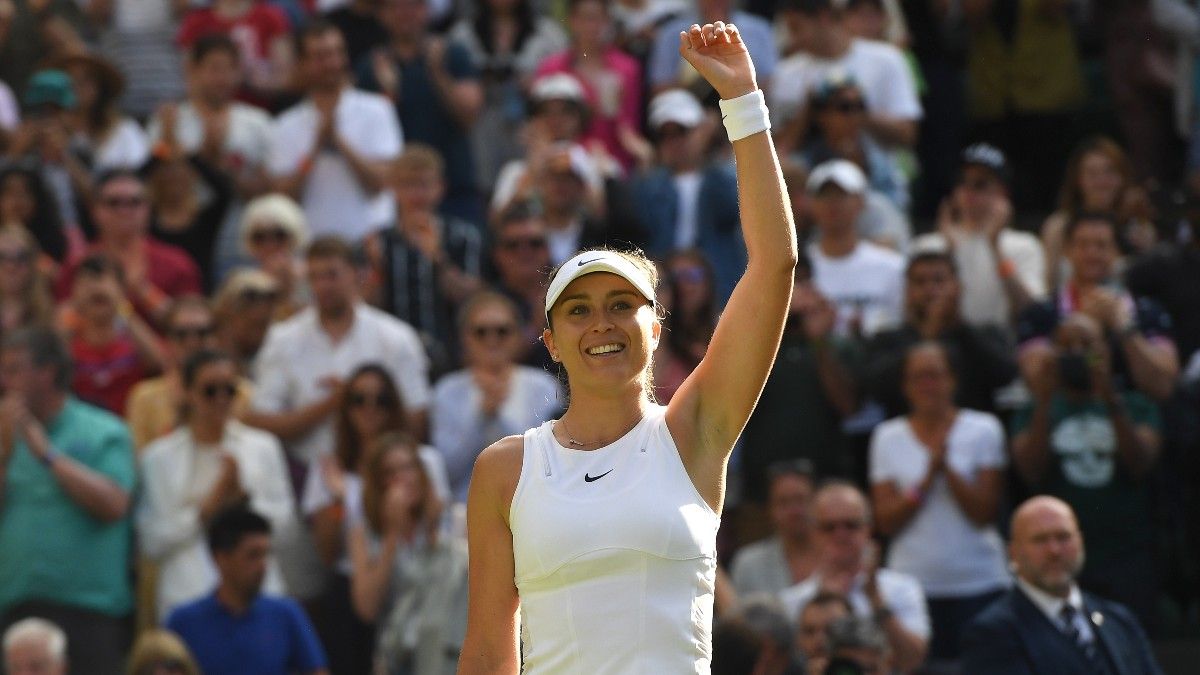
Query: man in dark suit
x=1046 y=624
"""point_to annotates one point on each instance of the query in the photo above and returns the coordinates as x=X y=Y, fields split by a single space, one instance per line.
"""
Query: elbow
x=366 y=608
x=114 y=508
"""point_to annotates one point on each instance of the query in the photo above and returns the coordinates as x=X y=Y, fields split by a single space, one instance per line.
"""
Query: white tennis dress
x=615 y=555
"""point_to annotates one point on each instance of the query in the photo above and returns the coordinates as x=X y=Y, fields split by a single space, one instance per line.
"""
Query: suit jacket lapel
x=1107 y=635
x=1052 y=649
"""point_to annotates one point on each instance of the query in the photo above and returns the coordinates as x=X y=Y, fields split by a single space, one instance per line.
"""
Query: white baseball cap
x=588 y=262
x=558 y=87
x=675 y=105
x=842 y=173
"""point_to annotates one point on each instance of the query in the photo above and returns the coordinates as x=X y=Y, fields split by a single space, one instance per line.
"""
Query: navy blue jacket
x=1013 y=637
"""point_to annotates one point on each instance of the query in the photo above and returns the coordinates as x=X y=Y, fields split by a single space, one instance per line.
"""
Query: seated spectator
x=155 y=405
x=685 y=201
x=827 y=46
x=665 y=70
x=229 y=135
x=244 y=309
x=99 y=132
x=332 y=500
x=1003 y=270
x=814 y=372
x=225 y=630
x=35 y=647
x=261 y=30
x=1092 y=442
x=686 y=294
x=1170 y=276
x=154 y=272
x=493 y=396
x=611 y=78
x=1099 y=180
x=426 y=264
x=842 y=519
x=211 y=462
x=433 y=84
x=27 y=202
x=1137 y=332
x=161 y=652
x=25 y=298
x=330 y=151
x=840 y=112
x=762 y=615
x=1046 y=625
x=982 y=354
x=863 y=280
x=789 y=556
x=407 y=577
x=66 y=474
x=521 y=257
x=506 y=41
x=858 y=645
x=937 y=478
x=112 y=348
x=274 y=232
x=812 y=629
x=301 y=375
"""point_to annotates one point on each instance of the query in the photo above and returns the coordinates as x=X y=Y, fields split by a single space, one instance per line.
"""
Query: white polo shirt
x=901 y=593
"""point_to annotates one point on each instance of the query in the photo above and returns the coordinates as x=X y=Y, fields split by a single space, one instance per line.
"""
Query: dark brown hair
x=348 y=447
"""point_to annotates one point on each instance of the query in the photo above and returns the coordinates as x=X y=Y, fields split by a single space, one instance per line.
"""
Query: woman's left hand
x=717 y=52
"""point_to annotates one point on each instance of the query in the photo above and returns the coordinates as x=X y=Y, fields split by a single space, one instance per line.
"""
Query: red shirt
x=253 y=33
x=168 y=268
x=104 y=374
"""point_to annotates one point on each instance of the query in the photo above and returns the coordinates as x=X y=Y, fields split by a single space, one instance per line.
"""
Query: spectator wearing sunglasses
x=25 y=298
x=521 y=258
x=244 y=308
x=493 y=396
x=842 y=522
x=161 y=652
x=274 y=230
x=209 y=463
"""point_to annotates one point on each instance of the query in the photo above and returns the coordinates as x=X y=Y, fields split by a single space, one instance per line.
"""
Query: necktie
x=1074 y=626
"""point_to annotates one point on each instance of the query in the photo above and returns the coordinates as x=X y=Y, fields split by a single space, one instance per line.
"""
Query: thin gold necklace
x=579 y=444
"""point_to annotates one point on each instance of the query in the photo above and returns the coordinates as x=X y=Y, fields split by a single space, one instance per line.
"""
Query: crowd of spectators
x=272 y=275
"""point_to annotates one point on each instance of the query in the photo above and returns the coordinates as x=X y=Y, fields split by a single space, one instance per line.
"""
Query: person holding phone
x=599 y=529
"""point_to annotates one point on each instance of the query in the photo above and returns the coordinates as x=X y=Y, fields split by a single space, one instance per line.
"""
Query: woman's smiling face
x=604 y=330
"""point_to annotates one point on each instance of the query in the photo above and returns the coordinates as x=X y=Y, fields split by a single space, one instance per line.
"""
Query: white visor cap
x=597 y=261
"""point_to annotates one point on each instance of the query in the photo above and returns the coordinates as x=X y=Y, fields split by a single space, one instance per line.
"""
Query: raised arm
x=707 y=414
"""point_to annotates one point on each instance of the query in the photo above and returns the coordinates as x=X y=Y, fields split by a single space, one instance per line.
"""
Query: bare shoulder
x=498 y=470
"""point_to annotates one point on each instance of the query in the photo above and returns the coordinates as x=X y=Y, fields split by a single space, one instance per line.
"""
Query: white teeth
x=605 y=349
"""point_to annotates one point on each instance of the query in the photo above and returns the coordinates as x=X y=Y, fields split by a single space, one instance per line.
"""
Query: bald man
x=1045 y=624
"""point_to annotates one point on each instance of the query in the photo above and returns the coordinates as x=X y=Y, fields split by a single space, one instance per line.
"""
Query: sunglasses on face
x=848 y=107
x=182 y=333
x=360 y=399
x=117 y=202
x=831 y=526
x=528 y=243
x=499 y=331
x=252 y=296
x=15 y=257
x=214 y=390
x=269 y=235
x=977 y=185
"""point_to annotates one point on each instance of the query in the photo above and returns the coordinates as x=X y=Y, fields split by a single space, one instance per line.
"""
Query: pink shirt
x=615 y=96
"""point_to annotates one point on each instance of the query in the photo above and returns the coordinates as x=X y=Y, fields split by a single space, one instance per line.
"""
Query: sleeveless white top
x=615 y=555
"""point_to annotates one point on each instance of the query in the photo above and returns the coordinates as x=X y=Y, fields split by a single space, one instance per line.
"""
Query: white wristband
x=745 y=115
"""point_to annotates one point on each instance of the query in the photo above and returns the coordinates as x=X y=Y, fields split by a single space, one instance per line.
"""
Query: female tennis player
x=596 y=533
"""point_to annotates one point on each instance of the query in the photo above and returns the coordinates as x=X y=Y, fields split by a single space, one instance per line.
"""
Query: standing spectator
x=161 y=652
x=1099 y=180
x=611 y=78
x=1137 y=332
x=685 y=201
x=35 y=647
x=260 y=30
x=100 y=134
x=819 y=28
x=665 y=70
x=937 y=478
x=330 y=151
x=812 y=629
x=506 y=39
x=274 y=232
x=815 y=372
x=229 y=135
x=521 y=256
x=1046 y=625
x=208 y=464
x=154 y=272
x=1091 y=442
x=863 y=280
x=25 y=298
x=66 y=473
x=426 y=264
x=436 y=90
x=789 y=556
x=687 y=295
x=26 y=201
x=842 y=520
x=407 y=576
x=225 y=630
x=112 y=348
x=1003 y=270
x=244 y=310
x=982 y=354
x=493 y=396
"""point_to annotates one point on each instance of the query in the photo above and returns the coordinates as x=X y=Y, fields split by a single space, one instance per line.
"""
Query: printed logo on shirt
x=590 y=479
x=1086 y=446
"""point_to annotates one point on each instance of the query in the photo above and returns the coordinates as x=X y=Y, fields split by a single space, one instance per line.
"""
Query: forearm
x=1018 y=295
x=908 y=648
x=369 y=174
x=766 y=215
x=456 y=284
x=1136 y=454
x=1031 y=448
x=835 y=380
x=148 y=348
x=975 y=499
x=293 y=184
x=290 y=425
x=327 y=533
x=370 y=580
x=1154 y=367
x=99 y=496
x=893 y=130
x=893 y=512
x=464 y=100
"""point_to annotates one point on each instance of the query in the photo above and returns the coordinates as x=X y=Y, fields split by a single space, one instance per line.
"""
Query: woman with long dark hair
x=25 y=200
x=688 y=295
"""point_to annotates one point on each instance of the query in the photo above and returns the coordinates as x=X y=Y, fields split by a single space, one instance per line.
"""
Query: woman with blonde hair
x=161 y=652
x=274 y=232
x=25 y=297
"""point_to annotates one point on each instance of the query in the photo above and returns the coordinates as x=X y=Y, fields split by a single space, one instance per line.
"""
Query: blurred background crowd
x=272 y=273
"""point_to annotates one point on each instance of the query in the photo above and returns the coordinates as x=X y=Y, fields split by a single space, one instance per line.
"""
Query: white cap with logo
x=597 y=261
x=842 y=173
x=675 y=105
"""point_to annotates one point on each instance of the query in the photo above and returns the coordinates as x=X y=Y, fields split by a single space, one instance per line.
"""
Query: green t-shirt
x=1084 y=471
x=51 y=549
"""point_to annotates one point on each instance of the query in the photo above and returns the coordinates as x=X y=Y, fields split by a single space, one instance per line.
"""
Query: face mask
x=1073 y=372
